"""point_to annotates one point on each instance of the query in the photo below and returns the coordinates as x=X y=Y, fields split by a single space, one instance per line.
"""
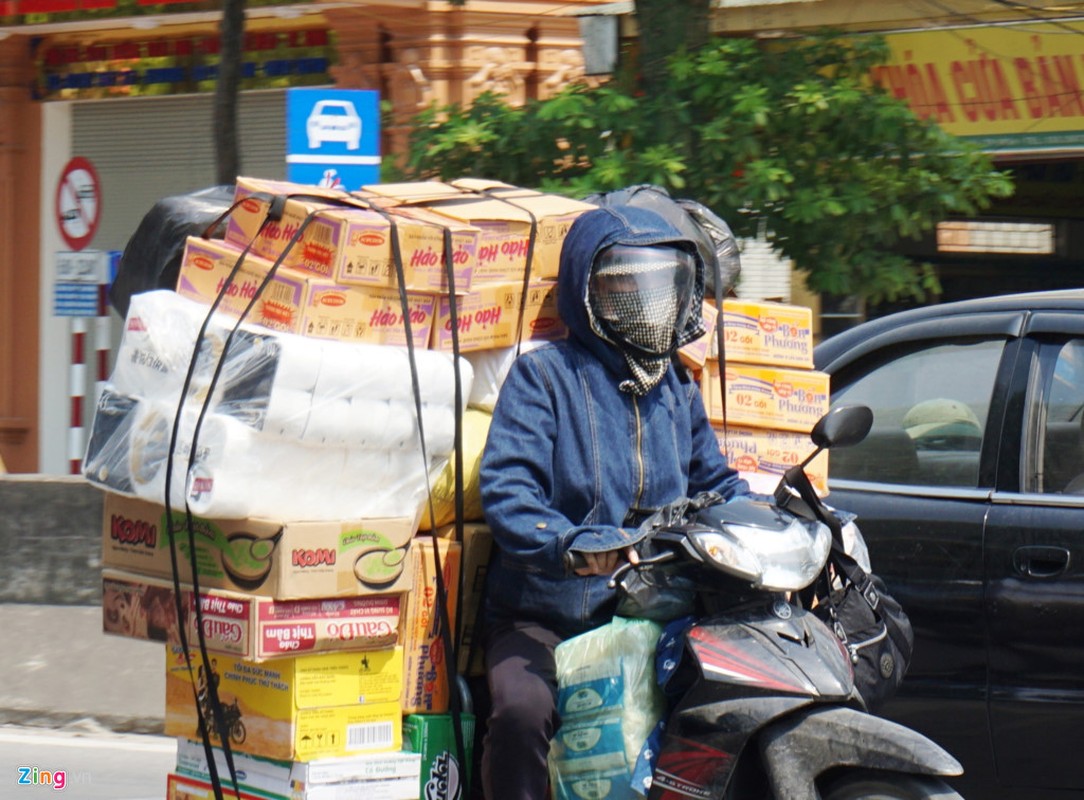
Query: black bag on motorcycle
x=870 y=623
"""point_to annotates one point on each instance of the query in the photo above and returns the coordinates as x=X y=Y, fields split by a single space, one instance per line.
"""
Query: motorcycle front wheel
x=238 y=732
x=882 y=785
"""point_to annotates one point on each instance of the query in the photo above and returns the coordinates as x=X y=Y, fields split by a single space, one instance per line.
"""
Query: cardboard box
x=772 y=452
x=477 y=546
x=432 y=735
x=766 y=333
x=425 y=663
x=297 y=302
x=348 y=241
x=348 y=778
x=295 y=709
x=269 y=558
x=695 y=353
x=488 y=317
x=182 y=786
x=207 y=263
x=766 y=397
x=504 y=218
x=246 y=626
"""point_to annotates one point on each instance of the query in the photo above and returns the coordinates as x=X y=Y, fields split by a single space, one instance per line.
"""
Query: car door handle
x=1038 y=561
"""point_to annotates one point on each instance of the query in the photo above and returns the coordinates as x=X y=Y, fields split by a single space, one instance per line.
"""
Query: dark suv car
x=970 y=492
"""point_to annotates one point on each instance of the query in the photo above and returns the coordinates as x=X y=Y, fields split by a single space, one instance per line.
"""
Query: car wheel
x=883 y=785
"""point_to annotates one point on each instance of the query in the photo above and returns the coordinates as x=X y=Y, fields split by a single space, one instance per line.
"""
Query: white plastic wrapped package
x=297 y=429
x=609 y=704
x=490 y=369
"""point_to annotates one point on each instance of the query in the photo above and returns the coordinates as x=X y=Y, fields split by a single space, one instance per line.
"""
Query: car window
x=930 y=407
x=1053 y=461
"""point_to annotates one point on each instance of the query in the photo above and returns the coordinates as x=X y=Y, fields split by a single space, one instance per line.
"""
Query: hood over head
x=591 y=233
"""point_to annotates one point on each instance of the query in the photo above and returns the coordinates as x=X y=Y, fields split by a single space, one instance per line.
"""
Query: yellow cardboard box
x=247 y=626
x=766 y=333
x=298 y=302
x=269 y=558
x=349 y=241
x=425 y=662
x=477 y=546
x=695 y=353
x=329 y=704
x=772 y=452
x=488 y=316
x=766 y=397
x=504 y=218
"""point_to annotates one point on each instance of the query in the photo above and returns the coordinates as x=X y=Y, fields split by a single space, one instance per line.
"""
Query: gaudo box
x=246 y=626
x=269 y=558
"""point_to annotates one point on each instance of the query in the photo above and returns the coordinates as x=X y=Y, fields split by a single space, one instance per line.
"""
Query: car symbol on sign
x=334 y=121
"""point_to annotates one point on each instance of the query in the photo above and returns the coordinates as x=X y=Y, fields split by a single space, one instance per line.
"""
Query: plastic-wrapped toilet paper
x=489 y=369
x=149 y=448
x=297 y=428
x=106 y=460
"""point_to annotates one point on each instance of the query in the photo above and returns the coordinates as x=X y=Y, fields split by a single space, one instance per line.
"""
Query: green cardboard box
x=443 y=778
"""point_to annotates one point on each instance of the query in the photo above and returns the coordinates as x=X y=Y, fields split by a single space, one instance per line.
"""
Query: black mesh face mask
x=641 y=296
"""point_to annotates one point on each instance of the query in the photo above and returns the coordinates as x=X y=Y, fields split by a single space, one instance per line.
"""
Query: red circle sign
x=78 y=203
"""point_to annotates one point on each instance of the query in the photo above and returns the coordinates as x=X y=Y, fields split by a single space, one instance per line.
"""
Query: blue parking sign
x=333 y=137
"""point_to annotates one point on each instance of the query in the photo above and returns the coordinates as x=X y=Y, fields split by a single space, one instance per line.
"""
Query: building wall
x=413 y=52
x=20 y=197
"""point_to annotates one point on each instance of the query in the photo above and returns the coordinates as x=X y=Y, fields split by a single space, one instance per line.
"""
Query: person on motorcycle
x=589 y=436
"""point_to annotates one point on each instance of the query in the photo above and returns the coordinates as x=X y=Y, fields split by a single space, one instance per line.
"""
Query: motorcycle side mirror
x=843 y=426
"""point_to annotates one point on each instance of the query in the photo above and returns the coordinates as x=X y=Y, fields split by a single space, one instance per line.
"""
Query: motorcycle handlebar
x=575 y=560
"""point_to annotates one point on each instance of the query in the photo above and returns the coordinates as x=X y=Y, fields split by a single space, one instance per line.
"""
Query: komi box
x=269 y=558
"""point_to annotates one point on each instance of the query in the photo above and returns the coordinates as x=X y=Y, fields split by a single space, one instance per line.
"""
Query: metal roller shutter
x=765 y=275
x=147 y=148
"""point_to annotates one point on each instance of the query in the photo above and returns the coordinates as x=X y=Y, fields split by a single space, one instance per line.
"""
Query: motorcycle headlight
x=778 y=560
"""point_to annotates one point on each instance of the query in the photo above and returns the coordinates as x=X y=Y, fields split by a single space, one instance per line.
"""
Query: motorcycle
x=766 y=704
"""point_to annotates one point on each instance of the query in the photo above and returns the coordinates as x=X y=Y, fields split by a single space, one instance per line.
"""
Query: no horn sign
x=78 y=203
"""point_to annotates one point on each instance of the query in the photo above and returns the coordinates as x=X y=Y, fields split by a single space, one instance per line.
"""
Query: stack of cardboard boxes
x=323 y=635
x=765 y=397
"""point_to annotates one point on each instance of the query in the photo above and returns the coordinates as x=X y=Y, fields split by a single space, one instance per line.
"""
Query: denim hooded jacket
x=569 y=454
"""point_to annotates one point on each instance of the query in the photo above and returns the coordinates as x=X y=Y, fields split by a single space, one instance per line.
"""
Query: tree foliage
x=788 y=140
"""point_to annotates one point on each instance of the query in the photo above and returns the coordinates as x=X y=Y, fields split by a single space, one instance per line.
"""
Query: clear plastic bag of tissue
x=609 y=704
x=292 y=428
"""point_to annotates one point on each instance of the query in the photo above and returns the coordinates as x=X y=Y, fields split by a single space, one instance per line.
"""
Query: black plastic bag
x=152 y=257
x=712 y=235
